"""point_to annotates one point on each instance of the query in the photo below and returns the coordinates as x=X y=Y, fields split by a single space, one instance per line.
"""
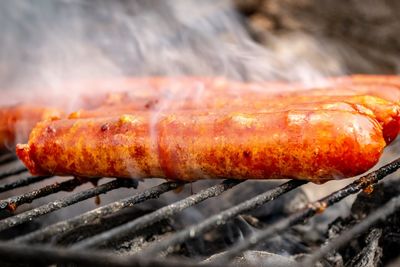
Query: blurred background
x=47 y=42
x=364 y=33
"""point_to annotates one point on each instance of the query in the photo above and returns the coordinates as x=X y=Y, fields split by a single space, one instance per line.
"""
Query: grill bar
x=380 y=214
x=22 y=182
x=46 y=255
x=13 y=202
x=314 y=208
x=67 y=201
x=13 y=171
x=222 y=218
x=93 y=215
x=158 y=215
x=7 y=158
x=55 y=254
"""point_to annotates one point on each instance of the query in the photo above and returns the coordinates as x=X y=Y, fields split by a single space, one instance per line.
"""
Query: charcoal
x=371 y=254
x=331 y=262
x=128 y=245
x=275 y=209
x=288 y=243
x=314 y=232
x=271 y=211
x=335 y=229
x=377 y=246
x=367 y=202
x=298 y=239
x=258 y=258
x=138 y=242
x=244 y=226
x=391 y=238
x=220 y=239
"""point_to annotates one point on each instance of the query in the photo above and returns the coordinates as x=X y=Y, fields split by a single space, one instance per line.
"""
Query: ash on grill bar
x=199 y=133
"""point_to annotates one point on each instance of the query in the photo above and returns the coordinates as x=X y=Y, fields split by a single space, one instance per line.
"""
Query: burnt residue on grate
x=131 y=243
x=125 y=228
x=22 y=182
x=64 y=202
x=97 y=214
x=12 y=203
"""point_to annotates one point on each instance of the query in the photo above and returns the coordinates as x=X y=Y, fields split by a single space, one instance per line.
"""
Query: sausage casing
x=312 y=145
x=17 y=121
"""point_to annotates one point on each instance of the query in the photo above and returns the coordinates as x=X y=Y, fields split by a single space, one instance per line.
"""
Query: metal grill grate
x=84 y=252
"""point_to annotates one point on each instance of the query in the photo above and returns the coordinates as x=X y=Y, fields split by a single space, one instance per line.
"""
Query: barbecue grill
x=25 y=199
x=34 y=247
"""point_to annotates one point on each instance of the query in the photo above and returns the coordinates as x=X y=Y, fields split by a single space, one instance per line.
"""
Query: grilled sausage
x=393 y=80
x=16 y=122
x=311 y=145
x=386 y=87
x=199 y=93
x=149 y=87
x=385 y=112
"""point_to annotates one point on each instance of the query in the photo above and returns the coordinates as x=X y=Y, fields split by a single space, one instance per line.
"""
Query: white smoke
x=46 y=45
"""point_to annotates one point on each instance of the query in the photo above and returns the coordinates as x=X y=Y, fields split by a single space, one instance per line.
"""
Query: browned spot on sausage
x=50 y=129
x=105 y=127
x=54 y=118
x=247 y=154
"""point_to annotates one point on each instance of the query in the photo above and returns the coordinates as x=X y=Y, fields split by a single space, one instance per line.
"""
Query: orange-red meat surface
x=313 y=145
